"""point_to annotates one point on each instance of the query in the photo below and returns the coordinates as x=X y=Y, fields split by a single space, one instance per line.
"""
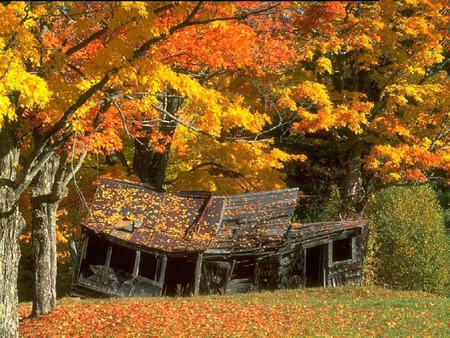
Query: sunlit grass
x=335 y=312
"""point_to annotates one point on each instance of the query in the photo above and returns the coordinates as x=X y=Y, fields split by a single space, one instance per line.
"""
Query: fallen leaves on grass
x=339 y=312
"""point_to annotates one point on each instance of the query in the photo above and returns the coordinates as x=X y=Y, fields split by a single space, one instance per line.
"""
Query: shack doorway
x=179 y=277
x=315 y=265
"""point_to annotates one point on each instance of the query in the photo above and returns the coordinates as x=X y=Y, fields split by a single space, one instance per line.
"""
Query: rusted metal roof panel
x=169 y=222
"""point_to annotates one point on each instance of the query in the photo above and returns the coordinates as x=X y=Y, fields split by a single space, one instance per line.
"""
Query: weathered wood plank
x=198 y=272
x=137 y=260
x=108 y=256
x=163 y=269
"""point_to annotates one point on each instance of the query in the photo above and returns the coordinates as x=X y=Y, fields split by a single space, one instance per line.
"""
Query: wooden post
x=158 y=267
x=304 y=267
x=81 y=257
x=163 y=273
x=84 y=249
x=198 y=273
x=108 y=256
x=327 y=252
x=137 y=260
x=229 y=275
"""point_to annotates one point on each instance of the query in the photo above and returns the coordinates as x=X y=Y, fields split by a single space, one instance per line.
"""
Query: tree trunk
x=10 y=228
x=11 y=225
x=353 y=185
x=45 y=199
x=150 y=165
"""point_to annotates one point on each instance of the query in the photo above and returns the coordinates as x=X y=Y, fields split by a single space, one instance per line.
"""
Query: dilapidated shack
x=140 y=242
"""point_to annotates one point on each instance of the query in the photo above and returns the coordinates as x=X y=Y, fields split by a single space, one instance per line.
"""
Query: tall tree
x=48 y=189
x=60 y=62
x=371 y=80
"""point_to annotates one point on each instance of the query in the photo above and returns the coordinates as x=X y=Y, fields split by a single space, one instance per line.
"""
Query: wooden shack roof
x=171 y=222
x=253 y=220
x=311 y=234
x=197 y=221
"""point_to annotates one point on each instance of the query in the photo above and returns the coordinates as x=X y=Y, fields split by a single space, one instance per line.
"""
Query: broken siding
x=118 y=283
x=283 y=266
x=337 y=272
x=114 y=269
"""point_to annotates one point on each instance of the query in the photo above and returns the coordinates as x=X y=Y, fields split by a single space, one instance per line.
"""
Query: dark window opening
x=179 y=276
x=314 y=266
x=214 y=276
x=96 y=251
x=268 y=273
x=147 y=265
x=243 y=276
x=244 y=269
x=122 y=258
x=342 y=249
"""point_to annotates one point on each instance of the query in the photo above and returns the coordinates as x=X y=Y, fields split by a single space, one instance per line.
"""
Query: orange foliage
x=372 y=72
x=295 y=313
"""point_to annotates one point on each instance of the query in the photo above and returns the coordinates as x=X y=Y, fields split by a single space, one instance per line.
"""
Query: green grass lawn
x=318 y=312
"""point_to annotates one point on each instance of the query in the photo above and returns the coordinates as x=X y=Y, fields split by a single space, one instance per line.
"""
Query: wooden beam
x=162 y=273
x=158 y=267
x=230 y=274
x=81 y=257
x=108 y=256
x=137 y=260
x=85 y=246
x=198 y=273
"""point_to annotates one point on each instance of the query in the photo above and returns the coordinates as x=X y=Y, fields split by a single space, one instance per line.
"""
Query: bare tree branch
x=75 y=169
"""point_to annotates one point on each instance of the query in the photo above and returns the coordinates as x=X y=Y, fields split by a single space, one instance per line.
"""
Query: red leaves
x=314 y=312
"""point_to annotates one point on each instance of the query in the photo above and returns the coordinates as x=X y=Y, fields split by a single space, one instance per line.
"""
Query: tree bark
x=11 y=225
x=354 y=191
x=150 y=165
x=48 y=189
x=10 y=228
x=45 y=198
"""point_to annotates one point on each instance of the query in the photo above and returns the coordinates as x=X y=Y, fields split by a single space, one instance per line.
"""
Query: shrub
x=324 y=209
x=408 y=247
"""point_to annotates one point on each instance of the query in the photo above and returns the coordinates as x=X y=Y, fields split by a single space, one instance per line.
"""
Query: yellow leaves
x=235 y=116
x=415 y=26
x=356 y=116
x=325 y=116
x=6 y=110
x=33 y=89
x=138 y=6
x=323 y=65
x=412 y=94
x=227 y=167
x=312 y=93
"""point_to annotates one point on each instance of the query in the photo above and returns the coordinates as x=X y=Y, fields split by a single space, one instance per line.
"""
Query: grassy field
x=330 y=312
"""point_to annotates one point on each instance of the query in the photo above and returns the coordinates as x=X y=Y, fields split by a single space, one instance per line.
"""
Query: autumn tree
x=232 y=150
x=64 y=64
x=370 y=82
